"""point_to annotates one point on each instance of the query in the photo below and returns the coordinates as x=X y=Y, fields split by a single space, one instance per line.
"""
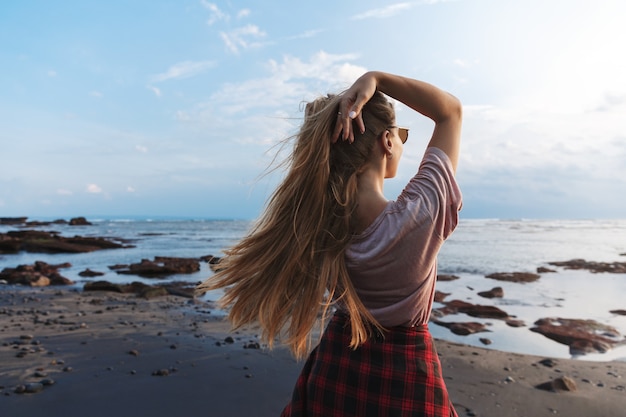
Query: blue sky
x=174 y=108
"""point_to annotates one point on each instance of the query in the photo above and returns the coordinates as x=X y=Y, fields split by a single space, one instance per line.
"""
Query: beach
x=98 y=353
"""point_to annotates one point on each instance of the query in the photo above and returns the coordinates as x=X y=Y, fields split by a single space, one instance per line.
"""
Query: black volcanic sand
x=107 y=354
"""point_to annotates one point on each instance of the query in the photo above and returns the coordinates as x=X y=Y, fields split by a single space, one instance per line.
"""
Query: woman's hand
x=350 y=107
x=442 y=108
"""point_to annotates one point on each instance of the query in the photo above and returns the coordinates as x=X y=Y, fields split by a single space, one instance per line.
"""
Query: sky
x=177 y=108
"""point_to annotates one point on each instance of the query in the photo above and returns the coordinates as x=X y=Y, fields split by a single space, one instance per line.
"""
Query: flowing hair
x=291 y=267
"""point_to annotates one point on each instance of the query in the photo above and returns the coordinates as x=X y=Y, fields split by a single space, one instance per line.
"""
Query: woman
x=329 y=238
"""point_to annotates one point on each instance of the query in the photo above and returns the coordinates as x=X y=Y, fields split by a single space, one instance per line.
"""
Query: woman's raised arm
x=443 y=108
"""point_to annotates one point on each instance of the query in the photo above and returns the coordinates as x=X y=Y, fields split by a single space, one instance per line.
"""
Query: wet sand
x=103 y=354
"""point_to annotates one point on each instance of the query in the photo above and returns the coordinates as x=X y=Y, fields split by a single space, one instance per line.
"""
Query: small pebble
x=161 y=372
x=47 y=382
x=34 y=388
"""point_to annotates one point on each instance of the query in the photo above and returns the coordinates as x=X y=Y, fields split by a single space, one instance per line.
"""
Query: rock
x=102 y=286
x=440 y=296
x=544 y=270
x=495 y=292
x=514 y=276
x=213 y=261
x=11 y=221
x=47 y=382
x=79 y=221
x=462 y=328
x=611 y=267
x=252 y=345
x=9 y=244
x=50 y=242
x=161 y=372
x=153 y=292
x=37 y=275
x=485 y=341
x=444 y=277
x=473 y=310
x=162 y=266
x=89 y=273
x=141 y=289
x=181 y=289
x=582 y=336
x=515 y=323
x=33 y=387
x=548 y=362
x=582 y=347
x=560 y=384
x=618 y=312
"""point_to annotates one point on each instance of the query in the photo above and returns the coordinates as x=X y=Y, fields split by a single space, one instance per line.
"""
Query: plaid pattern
x=398 y=375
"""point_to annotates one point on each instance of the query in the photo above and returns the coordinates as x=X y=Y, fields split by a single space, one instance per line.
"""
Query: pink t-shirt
x=393 y=263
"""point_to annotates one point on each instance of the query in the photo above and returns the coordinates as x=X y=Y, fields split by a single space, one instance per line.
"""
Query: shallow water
x=477 y=248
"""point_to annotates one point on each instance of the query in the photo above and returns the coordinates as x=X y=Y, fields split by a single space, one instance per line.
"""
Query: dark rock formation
x=544 y=270
x=462 y=328
x=90 y=274
x=40 y=274
x=50 y=242
x=515 y=323
x=582 y=336
x=11 y=221
x=473 y=310
x=618 y=312
x=79 y=221
x=514 y=276
x=445 y=277
x=496 y=292
x=162 y=266
x=440 y=296
x=181 y=289
x=611 y=267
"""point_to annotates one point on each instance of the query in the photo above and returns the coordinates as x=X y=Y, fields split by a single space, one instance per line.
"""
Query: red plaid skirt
x=395 y=375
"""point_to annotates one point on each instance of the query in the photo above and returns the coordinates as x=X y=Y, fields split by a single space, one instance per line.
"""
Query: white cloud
x=463 y=63
x=183 y=69
x=383 y=12
x=62 y=191
x=52 y=73
x=141 y=148
x=289 y=81
x=307 y=34
x=93 y=189
x=262 y=110
x=96 y=94
x=215 y=13
x=130 y=189
x=242 y=38
x=155 y=90
x=243 y=13
x=182 y=116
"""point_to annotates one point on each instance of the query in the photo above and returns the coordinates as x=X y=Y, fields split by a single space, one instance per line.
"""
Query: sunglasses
x=403 y=132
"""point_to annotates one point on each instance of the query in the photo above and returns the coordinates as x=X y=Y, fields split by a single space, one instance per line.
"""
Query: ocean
x=477 y=248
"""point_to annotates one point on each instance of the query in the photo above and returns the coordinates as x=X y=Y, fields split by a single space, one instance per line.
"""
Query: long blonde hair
x=291 y=267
